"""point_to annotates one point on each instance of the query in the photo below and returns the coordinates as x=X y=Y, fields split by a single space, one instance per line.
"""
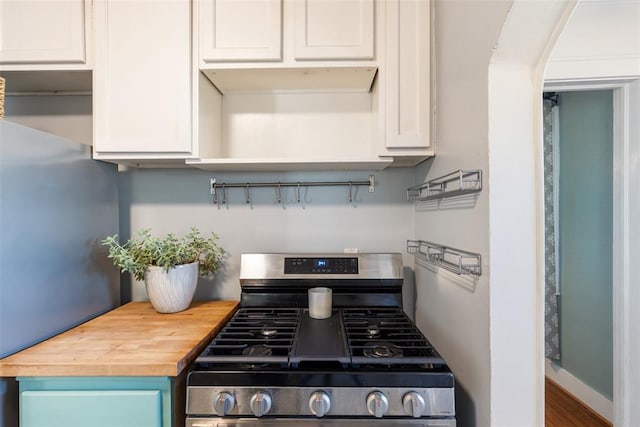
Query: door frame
x=625 y=309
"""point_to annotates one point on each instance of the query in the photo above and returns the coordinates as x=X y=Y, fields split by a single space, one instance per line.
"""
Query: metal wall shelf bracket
x=456 y=183
x=217 y=189
x=451 y=259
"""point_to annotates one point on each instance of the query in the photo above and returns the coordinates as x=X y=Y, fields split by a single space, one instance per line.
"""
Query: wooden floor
x=563 y=410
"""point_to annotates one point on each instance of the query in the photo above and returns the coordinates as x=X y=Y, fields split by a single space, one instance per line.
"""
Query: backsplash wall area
x=173 y=200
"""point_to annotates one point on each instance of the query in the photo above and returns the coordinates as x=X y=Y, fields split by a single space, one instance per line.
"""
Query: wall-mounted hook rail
x=453 y=184
x=451 y=259
x=216 y=187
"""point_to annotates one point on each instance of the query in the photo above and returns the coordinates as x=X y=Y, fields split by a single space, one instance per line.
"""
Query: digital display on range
x=330 y=265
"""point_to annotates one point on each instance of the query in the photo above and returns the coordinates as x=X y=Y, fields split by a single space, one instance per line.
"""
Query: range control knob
x=260 y=403
x=413 y=404
x=377 y=404
x=319 y=403
x=224 y=403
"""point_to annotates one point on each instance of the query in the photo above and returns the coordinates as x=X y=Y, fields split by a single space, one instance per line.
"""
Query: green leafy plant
x=144 y=250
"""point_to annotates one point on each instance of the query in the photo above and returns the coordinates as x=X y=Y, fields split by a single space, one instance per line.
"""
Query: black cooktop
x=364 y=339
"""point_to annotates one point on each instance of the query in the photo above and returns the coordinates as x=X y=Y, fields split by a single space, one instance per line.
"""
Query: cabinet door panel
x=142 y=79
x=240 y=30
x=37 y=31
x=334 y=29
x=106 y=408
x=408 y=73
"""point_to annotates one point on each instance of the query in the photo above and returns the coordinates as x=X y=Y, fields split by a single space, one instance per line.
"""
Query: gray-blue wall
x=168 y=200
x=585 y=240
x=56 y=203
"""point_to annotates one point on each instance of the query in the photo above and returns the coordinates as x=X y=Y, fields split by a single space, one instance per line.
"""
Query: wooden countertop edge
x=10 y=367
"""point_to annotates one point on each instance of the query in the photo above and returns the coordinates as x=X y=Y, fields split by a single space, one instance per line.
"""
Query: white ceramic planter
x=171 y=291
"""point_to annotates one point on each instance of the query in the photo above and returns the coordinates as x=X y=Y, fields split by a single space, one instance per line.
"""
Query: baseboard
x=591 y=398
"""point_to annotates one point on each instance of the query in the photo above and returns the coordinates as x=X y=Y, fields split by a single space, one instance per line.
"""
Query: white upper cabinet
x=407 y=73
x=240 y=30
x=257 y=45
x=253 y=30
x=42 y=35
x=142 y=79
x=333 y=29
x=351 y=91
x=279 y=33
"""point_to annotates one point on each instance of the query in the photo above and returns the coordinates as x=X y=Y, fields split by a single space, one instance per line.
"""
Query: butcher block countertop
x=131 y=340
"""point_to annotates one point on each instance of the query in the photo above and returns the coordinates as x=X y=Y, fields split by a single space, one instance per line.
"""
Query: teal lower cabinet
x=101 y=402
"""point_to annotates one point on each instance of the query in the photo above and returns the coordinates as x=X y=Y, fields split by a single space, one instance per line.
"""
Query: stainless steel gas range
x=274 y=365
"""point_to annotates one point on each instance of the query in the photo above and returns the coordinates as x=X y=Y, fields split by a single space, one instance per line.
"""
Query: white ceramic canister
x=320 y=303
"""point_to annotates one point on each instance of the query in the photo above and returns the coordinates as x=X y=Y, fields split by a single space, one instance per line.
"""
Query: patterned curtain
x=552 y=290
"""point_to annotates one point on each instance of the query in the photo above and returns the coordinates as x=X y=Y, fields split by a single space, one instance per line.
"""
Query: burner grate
x=279 y=337
x=386 y=336
x=255 y=336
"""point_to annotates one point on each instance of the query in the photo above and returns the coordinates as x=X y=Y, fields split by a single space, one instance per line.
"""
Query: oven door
x=328 y=422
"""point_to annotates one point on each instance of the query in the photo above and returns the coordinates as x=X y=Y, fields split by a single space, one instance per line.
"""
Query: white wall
x=600 y=41
x=455 y=310
x=325 y=221
x=487 y=80
x=515 y=163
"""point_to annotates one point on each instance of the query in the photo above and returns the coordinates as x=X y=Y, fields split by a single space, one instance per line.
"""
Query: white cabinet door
x=43 y=31
x=142 y=79
x=408 y=73
x=240 y=30
x=333 y=29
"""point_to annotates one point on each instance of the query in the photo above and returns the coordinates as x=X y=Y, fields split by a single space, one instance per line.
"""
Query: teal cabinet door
x=98 y=408
x=101 y=401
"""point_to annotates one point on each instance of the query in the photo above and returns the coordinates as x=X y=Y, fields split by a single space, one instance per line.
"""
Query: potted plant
x=169 y=266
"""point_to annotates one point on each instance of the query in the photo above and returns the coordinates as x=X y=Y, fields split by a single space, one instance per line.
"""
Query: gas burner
x=268 y=330
x=259 y=350
x=382 y=349
x=373 y=331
